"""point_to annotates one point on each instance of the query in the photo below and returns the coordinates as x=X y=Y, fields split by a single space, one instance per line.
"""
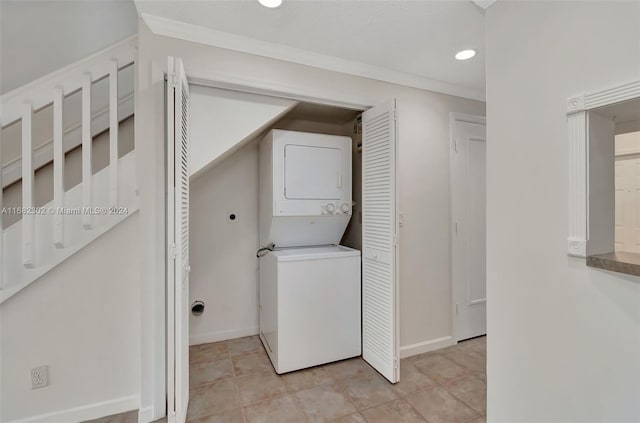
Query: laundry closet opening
x=227 y=131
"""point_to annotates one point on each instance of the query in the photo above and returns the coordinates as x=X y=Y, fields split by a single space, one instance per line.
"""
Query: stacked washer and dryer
x=310 y=286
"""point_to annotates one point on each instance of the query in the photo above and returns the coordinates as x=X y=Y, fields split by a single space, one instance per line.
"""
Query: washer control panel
x=335 y=208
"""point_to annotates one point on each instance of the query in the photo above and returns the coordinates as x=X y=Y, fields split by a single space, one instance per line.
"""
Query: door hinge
x=395 y=115
x=395 y=362
x=456 y=226
x=172 y=252
x=455 y=145
x=395 y=240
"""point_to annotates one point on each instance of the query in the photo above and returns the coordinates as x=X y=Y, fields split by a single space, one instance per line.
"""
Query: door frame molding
x=229 y=82
x=454 y=118
x=578 y=107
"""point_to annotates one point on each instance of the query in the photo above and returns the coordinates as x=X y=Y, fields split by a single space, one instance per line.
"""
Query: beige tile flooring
x=234 y=382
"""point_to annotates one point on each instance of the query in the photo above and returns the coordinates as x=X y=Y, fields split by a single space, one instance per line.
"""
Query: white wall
x=222 y=119
x=424 y=175
x=628 y=143
x=224 y=267
x=564 y=339
x=39 y=37
x=353 y=235
x=83 y=320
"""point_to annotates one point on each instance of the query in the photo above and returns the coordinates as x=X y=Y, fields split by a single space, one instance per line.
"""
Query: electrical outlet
x=39 y=377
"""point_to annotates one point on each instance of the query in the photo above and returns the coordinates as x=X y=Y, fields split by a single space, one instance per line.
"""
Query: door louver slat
x=378 y=235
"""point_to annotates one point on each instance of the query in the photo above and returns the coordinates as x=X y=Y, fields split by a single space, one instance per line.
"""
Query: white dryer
x=310 y=306
x=305 y=188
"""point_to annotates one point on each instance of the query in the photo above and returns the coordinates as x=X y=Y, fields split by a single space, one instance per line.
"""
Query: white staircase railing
x=46 y=236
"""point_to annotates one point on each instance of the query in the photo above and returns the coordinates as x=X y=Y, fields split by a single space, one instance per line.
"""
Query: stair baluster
x=28 y=217
x=87 y=142
x=58 y=167
x=113 y=134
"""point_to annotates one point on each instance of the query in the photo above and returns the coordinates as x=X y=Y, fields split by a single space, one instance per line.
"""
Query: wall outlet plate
x=39 y=377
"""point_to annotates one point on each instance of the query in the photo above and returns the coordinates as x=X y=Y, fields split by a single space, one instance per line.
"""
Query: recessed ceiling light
x=271 y=4
x=465 y=54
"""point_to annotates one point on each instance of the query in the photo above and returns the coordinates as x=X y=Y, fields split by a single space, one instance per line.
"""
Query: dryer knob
x=330 y=208
x=344 y=207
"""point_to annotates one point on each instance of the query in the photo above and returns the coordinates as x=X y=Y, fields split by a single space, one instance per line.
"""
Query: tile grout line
x=457 y=379
x=461 y=364
x=235 y=384
x=342 y=389
x=298 y=405
x=440 y=385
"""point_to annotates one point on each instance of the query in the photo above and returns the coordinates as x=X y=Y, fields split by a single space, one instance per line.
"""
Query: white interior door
x=178 y=242
x=468 y=186
x=380 y=319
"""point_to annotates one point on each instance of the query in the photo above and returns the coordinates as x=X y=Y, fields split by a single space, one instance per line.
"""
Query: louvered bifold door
x=178 y=239
x=380 y=320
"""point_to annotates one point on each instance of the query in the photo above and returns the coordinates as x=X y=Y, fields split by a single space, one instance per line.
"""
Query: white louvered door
x=380 y=320
x=178 y=242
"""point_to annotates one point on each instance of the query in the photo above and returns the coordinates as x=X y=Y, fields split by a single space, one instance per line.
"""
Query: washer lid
x=315 y=253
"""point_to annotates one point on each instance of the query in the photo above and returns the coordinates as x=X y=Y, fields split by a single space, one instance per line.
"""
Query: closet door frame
x=348 y=101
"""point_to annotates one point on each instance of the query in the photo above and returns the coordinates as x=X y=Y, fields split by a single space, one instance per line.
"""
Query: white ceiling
x=622 y=112
x=417 y=38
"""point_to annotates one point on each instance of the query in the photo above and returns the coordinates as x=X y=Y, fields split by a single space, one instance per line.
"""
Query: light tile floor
x=234 y=382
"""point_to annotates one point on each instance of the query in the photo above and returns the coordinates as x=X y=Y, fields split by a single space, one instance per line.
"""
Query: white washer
x=310 y=306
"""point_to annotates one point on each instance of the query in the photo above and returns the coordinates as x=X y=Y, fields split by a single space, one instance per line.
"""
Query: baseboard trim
x=145 y=415
x=425 y=346
x=205 y=338
x=86 y=412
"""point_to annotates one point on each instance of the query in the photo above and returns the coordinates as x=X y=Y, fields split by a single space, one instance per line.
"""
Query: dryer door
x=312 y=173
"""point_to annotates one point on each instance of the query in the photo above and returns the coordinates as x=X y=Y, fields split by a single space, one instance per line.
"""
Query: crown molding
x=199 y=34
x=484 y=4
